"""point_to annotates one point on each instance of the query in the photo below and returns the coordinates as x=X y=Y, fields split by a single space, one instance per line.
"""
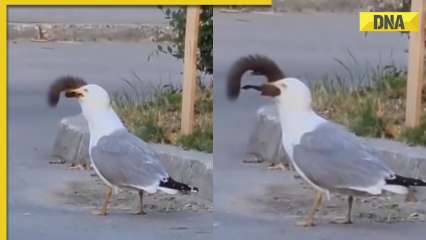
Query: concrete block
x=22 y=31
x=72 y=141
x=406 y=160
x=265 y=141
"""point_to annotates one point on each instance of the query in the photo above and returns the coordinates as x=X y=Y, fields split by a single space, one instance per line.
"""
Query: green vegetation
x=176 y=46
x=416 y=135
x=373 y=105
x=155 y=117
x=337 y=6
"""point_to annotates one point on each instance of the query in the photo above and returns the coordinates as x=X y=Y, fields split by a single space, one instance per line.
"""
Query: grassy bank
x=337 y=6
x=154 y=115
x=374 y=107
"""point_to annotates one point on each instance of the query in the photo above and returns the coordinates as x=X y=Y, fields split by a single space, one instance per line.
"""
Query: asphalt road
x=305 y=46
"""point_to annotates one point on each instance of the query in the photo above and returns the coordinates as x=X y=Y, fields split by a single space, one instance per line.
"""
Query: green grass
x=366 y=121
x=415 y=136
x=153 y=114
x=374 y=106
x=338 y=6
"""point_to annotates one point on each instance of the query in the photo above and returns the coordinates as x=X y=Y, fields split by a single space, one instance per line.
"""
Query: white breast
x=294 y=125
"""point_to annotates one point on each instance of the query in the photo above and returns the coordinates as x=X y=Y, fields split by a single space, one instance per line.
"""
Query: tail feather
x=406 y=181
x=62 y=84
x=170 y=183
x=259 y=65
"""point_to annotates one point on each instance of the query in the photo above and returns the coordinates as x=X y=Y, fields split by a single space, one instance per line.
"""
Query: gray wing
x=125 y=160
x=333 y=158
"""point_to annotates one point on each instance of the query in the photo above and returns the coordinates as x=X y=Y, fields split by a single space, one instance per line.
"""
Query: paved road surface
x=106 y=63
x=304 y=45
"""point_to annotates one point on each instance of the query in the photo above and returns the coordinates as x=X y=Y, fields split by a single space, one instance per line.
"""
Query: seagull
x=119 y=158
x=326 y=155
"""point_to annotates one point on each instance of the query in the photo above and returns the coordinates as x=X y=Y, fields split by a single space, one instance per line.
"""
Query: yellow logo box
x=388 y=21
x=137 y=2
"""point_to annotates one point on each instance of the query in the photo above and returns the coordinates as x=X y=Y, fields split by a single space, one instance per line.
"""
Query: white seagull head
x=289 y=93
x=294 y=94
x=96 y=108
x=94 y=101
x=92 y=98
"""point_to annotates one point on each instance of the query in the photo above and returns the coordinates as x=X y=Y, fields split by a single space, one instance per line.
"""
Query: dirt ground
x=91 y=193
x=296 y=200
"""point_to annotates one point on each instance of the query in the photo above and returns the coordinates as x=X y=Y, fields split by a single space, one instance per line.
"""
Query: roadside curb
x=265 y=146
x=88 y=32
x=191 y=167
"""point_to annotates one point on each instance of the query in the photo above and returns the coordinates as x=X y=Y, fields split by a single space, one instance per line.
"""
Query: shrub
x=176 y=45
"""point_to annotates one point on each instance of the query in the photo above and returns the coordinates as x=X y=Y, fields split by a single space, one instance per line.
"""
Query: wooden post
x=415 y=68
x=190 y=68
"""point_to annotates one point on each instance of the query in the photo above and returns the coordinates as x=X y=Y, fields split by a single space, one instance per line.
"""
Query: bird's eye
x=283 y=85
x=85 y=89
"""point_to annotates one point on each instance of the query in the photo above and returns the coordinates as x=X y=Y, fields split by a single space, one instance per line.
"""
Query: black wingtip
x=406 y=181
x=62 y=84
x=181 y=187
x=258 y=64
